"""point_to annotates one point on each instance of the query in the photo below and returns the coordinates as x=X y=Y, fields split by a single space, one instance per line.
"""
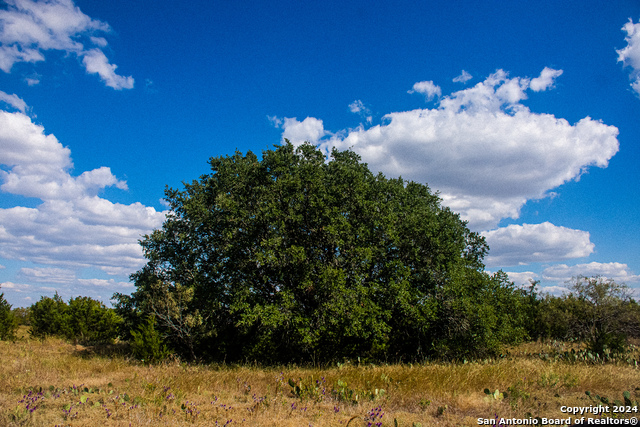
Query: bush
x=90 y=321
x=84 y=319
x=48 y=317
x=146 y=343
x=8 y=322
x=603 y=315
x=596 y=311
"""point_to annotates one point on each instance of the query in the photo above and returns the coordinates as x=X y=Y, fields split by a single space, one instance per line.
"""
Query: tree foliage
x=147 y=344
x=83 y=319
x=293 y=257
x=595 y=310
x=48 y=317
x=605 y=313
x=8 y=322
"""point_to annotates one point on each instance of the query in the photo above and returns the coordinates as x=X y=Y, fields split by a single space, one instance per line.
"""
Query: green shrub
x=48 y=317
x=84 y=319
x=90 y=321
x=147 y=344
x=596 y=311
x=8 y=322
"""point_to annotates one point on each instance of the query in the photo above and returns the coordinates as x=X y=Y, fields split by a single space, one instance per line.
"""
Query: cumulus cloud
x=463 y=77
x=29 y=28
x=630 y=54
x=39 y=164
x=299 y=132
x=613 y=270
x=481 y=148
x=73 y=227
x=428 y=89
x=528 y=243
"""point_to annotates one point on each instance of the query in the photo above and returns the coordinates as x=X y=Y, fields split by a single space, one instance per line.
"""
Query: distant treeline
x=290 y=258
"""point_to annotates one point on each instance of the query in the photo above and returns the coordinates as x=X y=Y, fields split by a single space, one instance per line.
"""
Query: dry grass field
x=52 y=382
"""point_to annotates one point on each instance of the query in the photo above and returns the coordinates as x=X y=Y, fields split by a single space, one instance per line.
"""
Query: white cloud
x=15 y=287
x=546 y=79
x=14 y=101
x=308 y=130
x=28 y=28
x=47 y=275
x=356 y=106
x=522 y=278
x=428 y=89
x=33 y=79
x=613 y=270
x=463 y=77
x=95 y=61
x=527 y=243
x=554 y=290
x=496 y=92
x=484 y=150
x=102 y=283
x=275 y=121
x=73 y=227
x=359 y=108
x=630 y=54
x=40 y=164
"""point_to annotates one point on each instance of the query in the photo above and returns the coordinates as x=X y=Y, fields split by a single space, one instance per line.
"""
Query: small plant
x=374 y=417
x=310 y=389
x=346 y=394
x=258 y=402
x=191 y=411
x=627 y=402
x=549 y=380
x=424 y=404
x=496 y=395
x=442 y=410
x=32 y=400
x=517 y=394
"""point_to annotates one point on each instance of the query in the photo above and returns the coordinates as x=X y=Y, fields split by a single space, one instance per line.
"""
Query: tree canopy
x=295 y=258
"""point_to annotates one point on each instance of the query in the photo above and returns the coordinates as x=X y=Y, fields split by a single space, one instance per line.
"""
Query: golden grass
x=81 y=389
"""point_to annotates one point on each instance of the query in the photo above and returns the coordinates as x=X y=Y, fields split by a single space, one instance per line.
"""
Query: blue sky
x=524 y=116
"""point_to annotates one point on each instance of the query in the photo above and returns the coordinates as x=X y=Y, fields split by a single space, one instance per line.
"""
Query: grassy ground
x=52 y=382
